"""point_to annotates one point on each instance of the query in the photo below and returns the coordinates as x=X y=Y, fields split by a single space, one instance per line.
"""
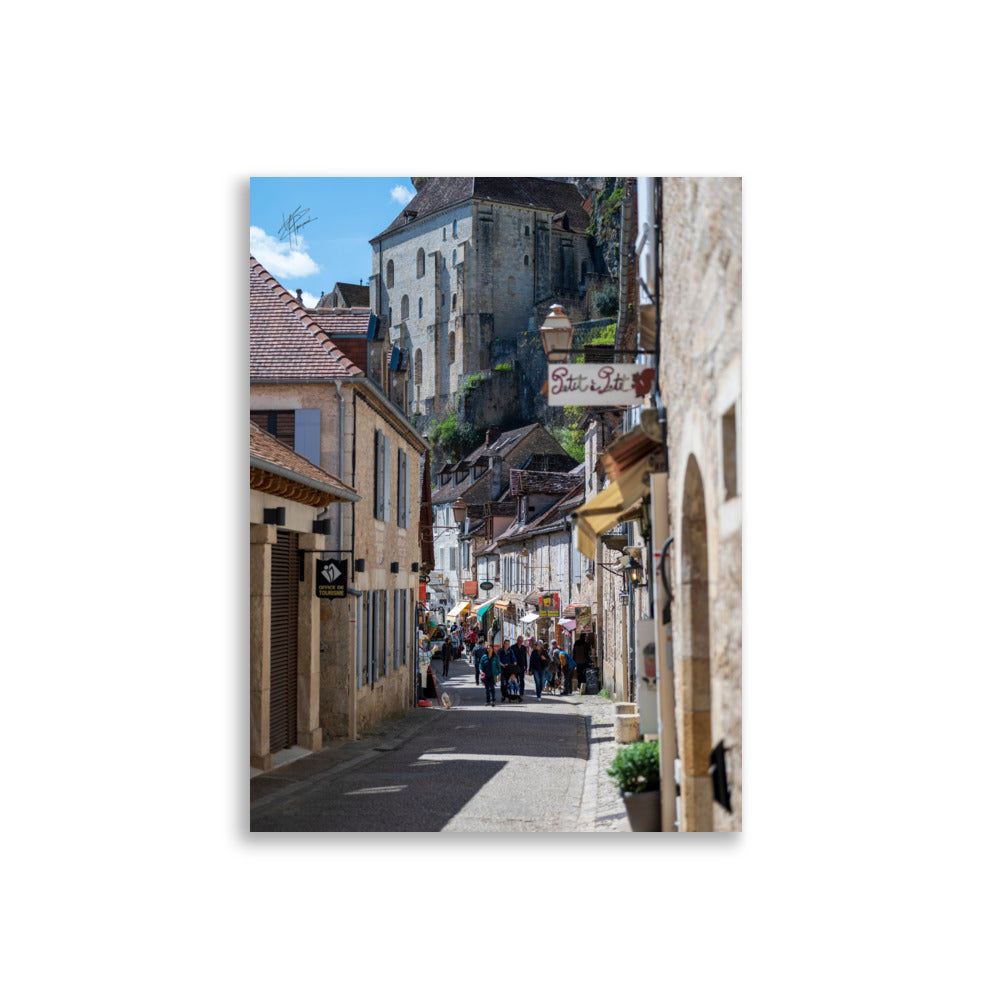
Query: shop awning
x=615 y=503
x=567 y=623
x=459 y=609
x=502 y=605
x=533 y=597
x=528 y=619
x=481 y=609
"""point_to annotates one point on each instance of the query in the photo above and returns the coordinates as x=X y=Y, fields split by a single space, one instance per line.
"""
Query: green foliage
x=603 y=334
x=636 y=767
x=606 y=301
x=571 y=439
x=504 y=366
x=471 y=384
x=452 y=439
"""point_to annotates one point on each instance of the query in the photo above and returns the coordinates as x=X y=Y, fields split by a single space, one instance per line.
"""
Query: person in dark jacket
x=446 y=654
x=521 y=656
x=537 y=665
x=489 y=664
x=508 y=666
x=477 y=654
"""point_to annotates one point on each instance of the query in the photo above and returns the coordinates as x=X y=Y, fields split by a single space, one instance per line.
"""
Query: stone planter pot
x=643 y=809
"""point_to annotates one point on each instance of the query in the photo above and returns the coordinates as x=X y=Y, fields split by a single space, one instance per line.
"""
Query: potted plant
x=636 y=772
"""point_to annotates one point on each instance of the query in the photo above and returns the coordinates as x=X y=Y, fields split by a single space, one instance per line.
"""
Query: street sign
x=599 y=385
x=331 y=578
x=486 y=585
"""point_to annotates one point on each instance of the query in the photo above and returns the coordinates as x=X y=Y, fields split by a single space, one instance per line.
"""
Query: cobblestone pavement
x=522 y=767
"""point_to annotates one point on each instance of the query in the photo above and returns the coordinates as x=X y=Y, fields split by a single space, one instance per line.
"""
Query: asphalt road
x=513 y=768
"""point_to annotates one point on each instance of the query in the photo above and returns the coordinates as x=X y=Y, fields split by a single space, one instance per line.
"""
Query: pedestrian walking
x=477 y=654
x=521 y=656
x=446 y=651
x=489 y=667
x=557 y=659
x=537 y=663
x=508 y=666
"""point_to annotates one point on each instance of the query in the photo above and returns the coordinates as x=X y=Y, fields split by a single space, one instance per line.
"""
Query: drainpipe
x=340 y=465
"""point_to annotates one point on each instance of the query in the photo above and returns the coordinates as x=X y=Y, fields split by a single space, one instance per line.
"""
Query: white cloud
x=402 y=194
x=309 y=301
x=281 y=259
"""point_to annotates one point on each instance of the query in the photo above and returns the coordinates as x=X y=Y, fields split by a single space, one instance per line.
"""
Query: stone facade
x=349 y=700
x=450 y=283
x=700 y=376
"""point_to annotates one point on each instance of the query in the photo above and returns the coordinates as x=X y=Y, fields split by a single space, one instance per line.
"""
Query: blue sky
x=346 y=212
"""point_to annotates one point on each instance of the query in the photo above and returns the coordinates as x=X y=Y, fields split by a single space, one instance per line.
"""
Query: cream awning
x=459 y=609
x=528 y=619
x=615 y=503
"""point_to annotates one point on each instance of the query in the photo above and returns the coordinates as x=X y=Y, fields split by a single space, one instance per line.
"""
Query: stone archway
x=696 y=691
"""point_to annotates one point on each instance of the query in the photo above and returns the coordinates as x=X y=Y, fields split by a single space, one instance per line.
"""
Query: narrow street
x=530 y=767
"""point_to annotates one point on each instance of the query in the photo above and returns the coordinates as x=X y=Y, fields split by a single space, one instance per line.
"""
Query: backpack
x=570 y=662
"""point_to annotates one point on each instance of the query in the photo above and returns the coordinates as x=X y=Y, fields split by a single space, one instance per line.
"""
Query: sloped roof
x=350 y=296
x=545 y=483
x=447 y=492
x=285 y=341
x=297 y=477
x=342 y=322
x=440 y=193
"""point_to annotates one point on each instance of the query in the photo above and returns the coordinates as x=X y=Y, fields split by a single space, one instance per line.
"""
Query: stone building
x=309 y=393
x=287 y=496
x=345 y=296
x=701 y=381
x=482 y=476
x=468 y=262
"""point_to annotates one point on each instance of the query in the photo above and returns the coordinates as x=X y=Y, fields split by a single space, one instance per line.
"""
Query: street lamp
x=635 y=573
x=524 y=557
x=459 y=508
x=557 y=335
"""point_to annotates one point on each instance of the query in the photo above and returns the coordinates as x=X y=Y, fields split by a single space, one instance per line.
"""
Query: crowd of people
x=505 y=665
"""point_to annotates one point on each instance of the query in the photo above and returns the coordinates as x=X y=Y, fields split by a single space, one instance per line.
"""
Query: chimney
x=298 y=294
x=491 y=435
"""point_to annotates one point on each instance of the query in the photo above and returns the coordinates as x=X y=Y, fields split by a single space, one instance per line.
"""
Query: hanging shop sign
x=486 y=585
x=583 y=619
x=599 y=385
x=469 y=588
x=548 y=606
x=423 y=591
x=331 y=578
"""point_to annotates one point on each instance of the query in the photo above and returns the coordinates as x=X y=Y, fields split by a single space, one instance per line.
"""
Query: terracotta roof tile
x=269 y=449
x=285 y=341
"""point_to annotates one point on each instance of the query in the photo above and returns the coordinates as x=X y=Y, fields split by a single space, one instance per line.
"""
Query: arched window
x=527 y=231
x=390 y=315
x=454 y=301
x=420 y=262
x=451 y=347
x=404 y=308
x=420 y=308
x=389 y=275
x=525 y=260
x=454 y=227
x=418 y=367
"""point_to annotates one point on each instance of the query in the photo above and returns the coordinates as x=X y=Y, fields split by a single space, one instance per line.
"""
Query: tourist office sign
x=331 y=578
x=599 y=385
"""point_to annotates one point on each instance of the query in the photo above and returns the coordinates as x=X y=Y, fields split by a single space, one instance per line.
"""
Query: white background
x=864 y=134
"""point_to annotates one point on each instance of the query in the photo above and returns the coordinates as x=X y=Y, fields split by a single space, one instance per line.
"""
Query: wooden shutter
x=284 y=640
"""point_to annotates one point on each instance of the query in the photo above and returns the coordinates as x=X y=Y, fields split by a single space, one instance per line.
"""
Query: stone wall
x=486 y=265
x=700 y=375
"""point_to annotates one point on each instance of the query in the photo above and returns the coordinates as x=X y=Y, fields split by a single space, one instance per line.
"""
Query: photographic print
x=495 y=504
